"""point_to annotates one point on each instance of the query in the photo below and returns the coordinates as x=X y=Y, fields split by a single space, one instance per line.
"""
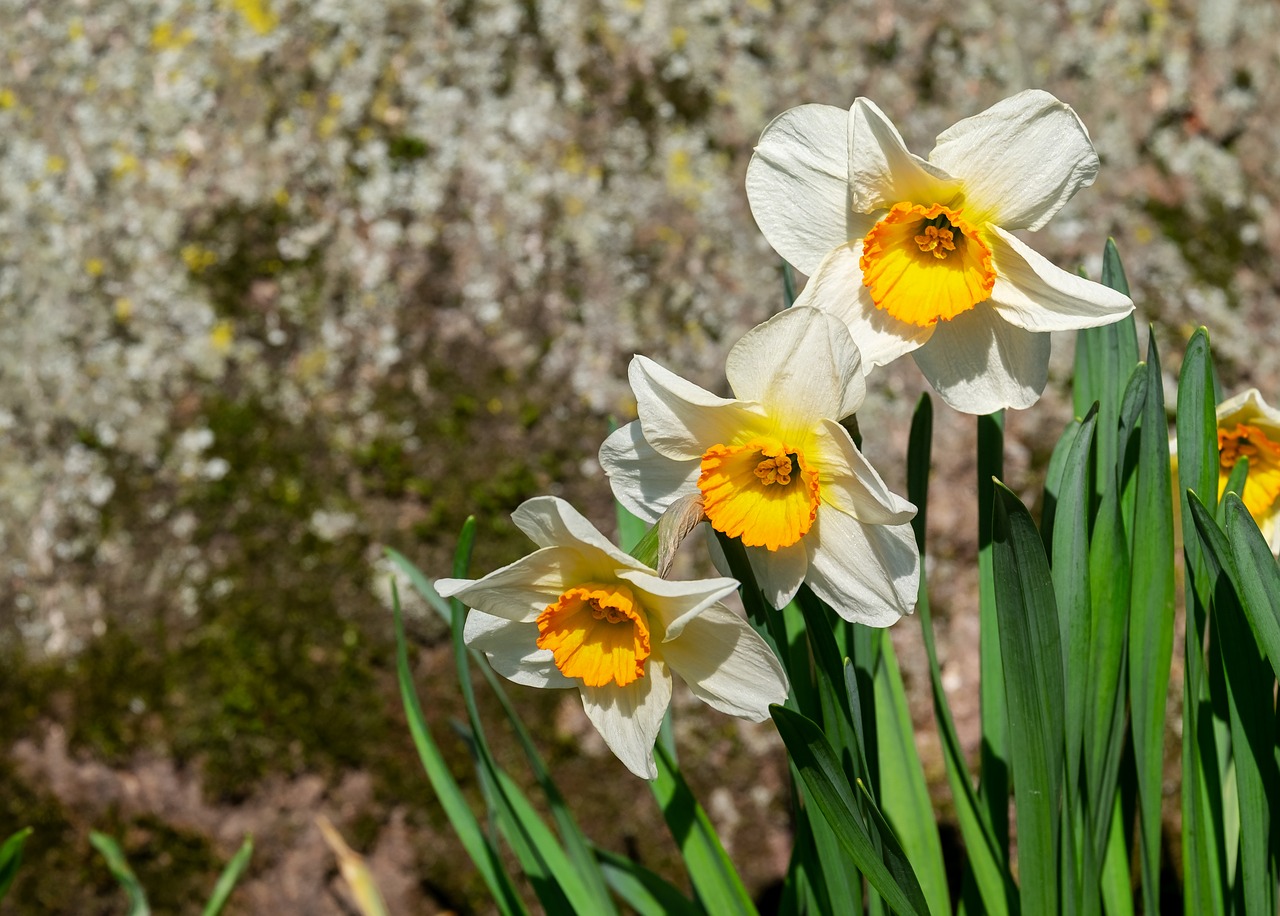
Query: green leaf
x=120 y=870
x=985 y=858
x=1029 y=643
x=716 y=882
x=464 y=822
x=11 y=858
x=1105 y=357
x=227 y=880
x=576 y=843
x=555 y=880
x=1201 y=792
x=879 y=857
x=421 y=584
x=994 y=789
x=904 y=793
x=1259 y=578
x=645 y=892
x=1070 y=549
x=1151 y=605
x=1248 y=681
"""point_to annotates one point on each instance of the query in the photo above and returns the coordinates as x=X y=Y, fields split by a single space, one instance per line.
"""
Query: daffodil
x=578 y=612
x=917 y=255
x=774 y=467
x=1249 y=427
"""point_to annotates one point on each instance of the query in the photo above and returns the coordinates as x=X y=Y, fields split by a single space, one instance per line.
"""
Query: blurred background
x=283 y=284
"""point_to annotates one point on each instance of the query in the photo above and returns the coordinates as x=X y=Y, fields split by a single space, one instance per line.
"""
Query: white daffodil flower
x=775 y=468
x=1250 y=427
x=916 y=255
x=578 y=612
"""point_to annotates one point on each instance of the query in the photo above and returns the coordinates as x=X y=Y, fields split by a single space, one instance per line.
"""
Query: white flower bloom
x=578 y=612
x=775 y=468
x=916 y=255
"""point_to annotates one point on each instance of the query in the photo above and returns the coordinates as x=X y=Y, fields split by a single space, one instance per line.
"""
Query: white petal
x=798 y=185
x=869 y=574
x=849 y=482
x=1034 y=294
x=681 y=420
x=802 y=366
x=523 y=589
x=675 y=602
x=550 y=521
x=1020 y=160
x=628 y=718
x=882 y=172
x=780 y=573
x=1249 y=407
x=727 y=665
x=837 y=290
x=979 y=363
x=644 y=481
x=512 y=650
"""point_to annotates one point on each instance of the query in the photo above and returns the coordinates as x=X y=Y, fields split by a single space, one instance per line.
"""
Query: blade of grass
x=985 y=862
x=716 y=882
x=884 y=865
x=1029 y=641
x=11 y=858
x=120 y=870
x=227 y=880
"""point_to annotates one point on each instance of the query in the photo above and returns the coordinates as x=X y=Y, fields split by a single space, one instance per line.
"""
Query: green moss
x=1210 y=242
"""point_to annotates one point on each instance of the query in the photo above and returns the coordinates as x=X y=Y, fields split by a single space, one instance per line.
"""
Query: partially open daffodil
x=1249 y=427
x=916 y=255
x=578 y=612
x=775 y=468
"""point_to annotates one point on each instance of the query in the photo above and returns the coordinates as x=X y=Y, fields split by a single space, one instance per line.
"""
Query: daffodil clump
x=916 y=255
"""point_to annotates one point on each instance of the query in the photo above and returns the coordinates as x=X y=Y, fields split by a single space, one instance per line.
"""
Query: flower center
x=926 y=264
x=598 y=633
x=1262 y=487
x=761 y=492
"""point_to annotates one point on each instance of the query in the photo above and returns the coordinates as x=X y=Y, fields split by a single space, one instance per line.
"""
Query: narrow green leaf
x=11 y=858
x=887 y=870
x=1259 y=578
x=1249 y=687
x=576 y=843
x=464 y=822
x=1150 y=644
x=1201 y=794
x=986 y=858
x=994 y=788
x=716 y=882
x=227 y=880
x=1053 y=477
x=535 y=845
x=421 y=584
x=1029 y=642
x=120 y=870
x=1070 y=551
x=645 y=892
x=904 y=793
